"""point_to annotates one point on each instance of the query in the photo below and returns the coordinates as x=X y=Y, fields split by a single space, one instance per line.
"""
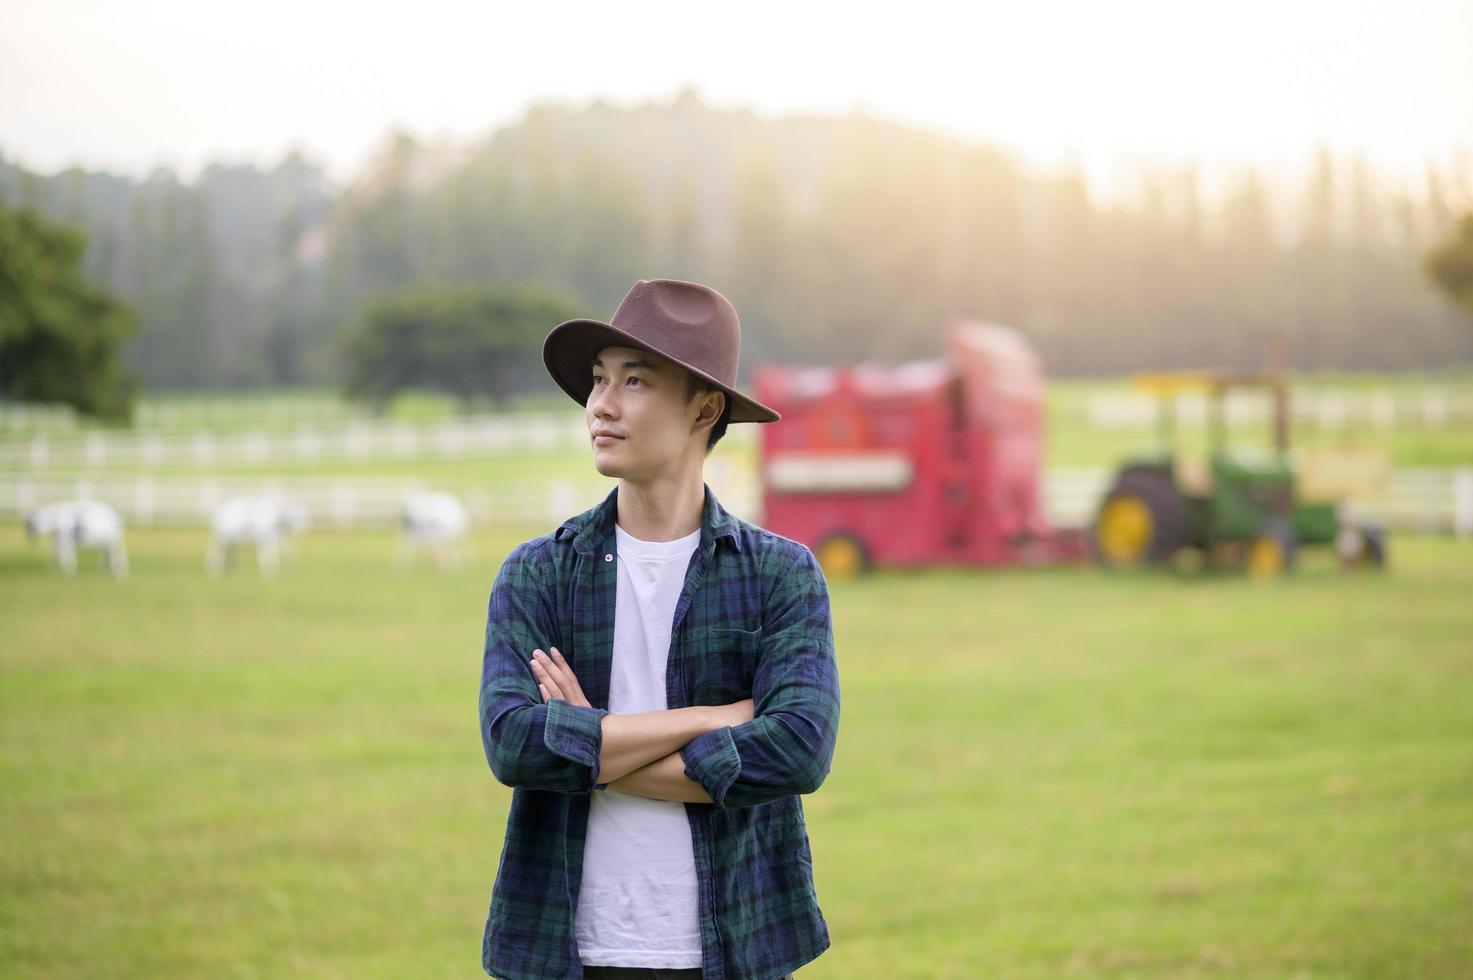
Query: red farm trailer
x=922 y=463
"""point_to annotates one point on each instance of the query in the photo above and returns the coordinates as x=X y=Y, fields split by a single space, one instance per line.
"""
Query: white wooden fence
x=227 y=412
x=244 y=430
x=1324 y=409
x=359 y=440
x=185 y=501
x=1425 y=500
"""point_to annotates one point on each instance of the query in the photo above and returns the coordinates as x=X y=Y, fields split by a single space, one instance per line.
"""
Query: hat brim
x=570 y=347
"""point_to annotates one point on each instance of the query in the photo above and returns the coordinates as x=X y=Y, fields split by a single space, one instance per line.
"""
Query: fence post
x=96 y=449
x=1331 y=412
x=1383 y=410
x=1463 y=502
x=405 y=440
x=562 y=498
x=357 y=440
x=207 y=492
x=143 y=500
x=1434 y=408
x=343 y=504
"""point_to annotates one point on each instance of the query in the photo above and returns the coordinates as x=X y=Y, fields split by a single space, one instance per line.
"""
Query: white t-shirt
x=637 y=905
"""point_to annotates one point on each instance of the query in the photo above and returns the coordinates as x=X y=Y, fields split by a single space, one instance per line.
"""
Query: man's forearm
x=631 y=742
x=663 y=779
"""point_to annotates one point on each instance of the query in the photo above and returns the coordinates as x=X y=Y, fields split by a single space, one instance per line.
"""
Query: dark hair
x=699 y=386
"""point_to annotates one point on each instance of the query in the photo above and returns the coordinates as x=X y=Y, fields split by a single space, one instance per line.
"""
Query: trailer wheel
x=1362 y=547
x=1142 y=520
x=842 y=556
x=1375 y=556
x=1272 y=553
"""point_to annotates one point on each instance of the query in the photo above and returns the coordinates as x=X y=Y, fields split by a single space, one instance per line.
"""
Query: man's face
x=638 y=419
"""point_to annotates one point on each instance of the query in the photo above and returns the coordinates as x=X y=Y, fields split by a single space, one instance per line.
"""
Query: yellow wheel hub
x=1265 y=558
x=1125 y=530
x=840 y=558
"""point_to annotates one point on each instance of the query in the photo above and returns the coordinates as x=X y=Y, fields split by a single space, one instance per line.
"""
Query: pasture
x=1039 y=774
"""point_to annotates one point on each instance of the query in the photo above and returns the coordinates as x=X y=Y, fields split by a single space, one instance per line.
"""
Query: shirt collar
x=590 y=529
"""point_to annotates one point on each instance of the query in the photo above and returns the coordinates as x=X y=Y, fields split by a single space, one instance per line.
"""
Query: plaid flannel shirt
x=752 y=621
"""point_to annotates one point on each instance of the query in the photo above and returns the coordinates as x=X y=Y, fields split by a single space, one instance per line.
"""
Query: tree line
x=838 y=238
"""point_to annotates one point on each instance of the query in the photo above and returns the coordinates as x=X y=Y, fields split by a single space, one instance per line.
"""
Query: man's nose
x=603 y=403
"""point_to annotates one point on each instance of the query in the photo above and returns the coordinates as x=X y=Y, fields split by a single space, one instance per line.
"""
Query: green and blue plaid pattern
x=752 y=621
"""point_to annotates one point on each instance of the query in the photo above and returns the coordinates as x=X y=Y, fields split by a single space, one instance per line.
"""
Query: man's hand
x=555 y=678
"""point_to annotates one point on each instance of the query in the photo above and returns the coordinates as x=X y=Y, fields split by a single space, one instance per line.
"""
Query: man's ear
x=712 y=403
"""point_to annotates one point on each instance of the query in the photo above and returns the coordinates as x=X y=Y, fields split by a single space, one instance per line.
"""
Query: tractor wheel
x=842 y=556
x=1272 y=553
x=1142 y=521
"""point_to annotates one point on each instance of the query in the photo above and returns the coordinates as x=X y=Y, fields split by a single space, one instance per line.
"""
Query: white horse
x=435 y=522
x=264 y=523
x=75 y=524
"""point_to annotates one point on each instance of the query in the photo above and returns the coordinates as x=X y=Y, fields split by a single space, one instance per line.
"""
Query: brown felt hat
x=690 y=324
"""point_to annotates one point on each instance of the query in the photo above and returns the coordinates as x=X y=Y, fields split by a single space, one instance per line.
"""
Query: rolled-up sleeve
x=788 y=746
x=531 y=744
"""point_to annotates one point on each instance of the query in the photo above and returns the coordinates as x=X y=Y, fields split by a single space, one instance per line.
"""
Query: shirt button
x=608 y=557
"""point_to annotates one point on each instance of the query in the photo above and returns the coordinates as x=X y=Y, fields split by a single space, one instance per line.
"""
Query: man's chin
x=607 y=467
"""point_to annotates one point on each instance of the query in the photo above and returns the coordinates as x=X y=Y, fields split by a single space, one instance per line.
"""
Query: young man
x=658 y=684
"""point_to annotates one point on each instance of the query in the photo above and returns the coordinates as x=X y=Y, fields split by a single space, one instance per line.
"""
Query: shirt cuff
x=712 y=760
x=576 y=733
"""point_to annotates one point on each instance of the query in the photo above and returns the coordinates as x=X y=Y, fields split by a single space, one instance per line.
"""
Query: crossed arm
x=540 y=732
x=640 y=753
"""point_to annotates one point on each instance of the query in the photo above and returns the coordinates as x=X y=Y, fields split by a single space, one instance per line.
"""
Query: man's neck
x=663 y=510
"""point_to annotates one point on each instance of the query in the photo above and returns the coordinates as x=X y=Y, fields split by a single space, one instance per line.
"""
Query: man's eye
x=597 y=378
x=633 y=380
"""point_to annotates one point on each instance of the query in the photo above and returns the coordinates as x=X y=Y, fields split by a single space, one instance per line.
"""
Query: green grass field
x=1039 y=774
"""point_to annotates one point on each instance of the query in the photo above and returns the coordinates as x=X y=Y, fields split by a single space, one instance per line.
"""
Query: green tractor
x=1238 y=511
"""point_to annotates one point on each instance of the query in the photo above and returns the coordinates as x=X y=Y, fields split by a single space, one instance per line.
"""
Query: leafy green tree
x=761 y=270
x=467 y=340
x=838 y=238
x=59 y=335
x=175 y=282
x=1451 y=264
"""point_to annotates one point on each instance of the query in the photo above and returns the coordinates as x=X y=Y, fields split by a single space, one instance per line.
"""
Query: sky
x=129 y=85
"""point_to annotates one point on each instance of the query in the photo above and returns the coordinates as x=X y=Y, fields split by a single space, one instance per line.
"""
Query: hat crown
x=687 y=322
x=690 y=324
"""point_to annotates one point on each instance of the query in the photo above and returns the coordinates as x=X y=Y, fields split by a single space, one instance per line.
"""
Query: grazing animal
x=435 y=522
x=75 y=524
x=264 y=523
